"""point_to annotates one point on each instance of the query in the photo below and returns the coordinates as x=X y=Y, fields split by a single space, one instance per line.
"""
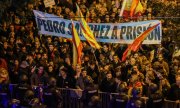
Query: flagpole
x=96 y=63
x=122 y=9
x=95 y=59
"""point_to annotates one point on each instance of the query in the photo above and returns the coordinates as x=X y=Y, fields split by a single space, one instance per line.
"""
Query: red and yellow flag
x=86 y=31
x=77 y=46
x=132 y=8
x=137 y=42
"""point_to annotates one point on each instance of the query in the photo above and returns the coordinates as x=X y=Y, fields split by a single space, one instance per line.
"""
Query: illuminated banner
x=123 y=33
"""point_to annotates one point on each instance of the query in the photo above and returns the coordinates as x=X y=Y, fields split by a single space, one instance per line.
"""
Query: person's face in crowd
x=105 y=48
x=115 y=58
x=5 y=45
x=58 y=12
x=67 y=60
x=135 y=68
x=93 y=16
x=16 y=62
x=17 y=20
x=63 y=73
x=50 y=69
x=101 y=57
x=84 y=73
x=114 y=10
x=175 y=68
x=41 y=70
x=45 y=56
x=23 y=49
x=51 y=47
x=98 y=20
x=67 y=10
x=37 y=44
x=38 y=56
x=106 y=68
x=4 y=24
x=133 y=78
x=11 y=28
x=49 y=40
x=149 y=16
x=30 y=6
x=113 y=15
x=175 y=61
x=78 y=69
x=136 y=55
x=86 y=58
x=30 y=58
x=71 y=15
x=3 y=75
x=160 y=58
x=18 y=41
x=11 y=40
x=107 y=18
x=92 y=66
x=132 y=61
x=51 y=63
x=109 y=76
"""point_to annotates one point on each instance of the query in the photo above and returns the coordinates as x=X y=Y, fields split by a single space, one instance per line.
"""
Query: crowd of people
x=29 y=59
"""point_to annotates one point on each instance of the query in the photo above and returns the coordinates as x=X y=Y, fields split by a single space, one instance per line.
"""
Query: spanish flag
x=137 y=42
x=131 y=8
x=86 y=31
x=77 y=46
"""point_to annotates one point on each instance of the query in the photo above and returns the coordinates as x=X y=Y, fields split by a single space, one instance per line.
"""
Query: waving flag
x=131 y=8
x=86 y=31
x=137 y=42
x=77 y=46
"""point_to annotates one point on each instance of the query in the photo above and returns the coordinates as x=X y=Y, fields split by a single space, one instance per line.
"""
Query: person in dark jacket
x=52 y=96
x=65 y=81
x=108 y=84
x=120 y=100
x=155 y=97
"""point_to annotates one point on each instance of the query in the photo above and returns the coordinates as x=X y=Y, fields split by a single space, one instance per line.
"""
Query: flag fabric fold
x=77 y=46
x=86 y=31
x=137 y=42
x=132 y=8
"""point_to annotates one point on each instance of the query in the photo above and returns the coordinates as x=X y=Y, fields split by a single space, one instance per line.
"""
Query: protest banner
x=124 y=33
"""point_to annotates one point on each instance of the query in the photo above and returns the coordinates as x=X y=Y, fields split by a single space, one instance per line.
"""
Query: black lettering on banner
x=62 y=27
x=78 y=29
x=157 y=33
x=122 y=31
x=129 y=32
x=151 y=35
x=102 y=31
x=114 y=33
x=45 y=25
x=91 y=27
x=39 y=22
x=49 y=24
x=70 y=29
x=139 y=30
x=144 y=29
x=55 y=25
x=107 y=31
x=134 y=32
x=96 y=30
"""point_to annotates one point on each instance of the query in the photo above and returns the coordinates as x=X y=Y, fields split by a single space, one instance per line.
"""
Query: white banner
x=124 y=33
